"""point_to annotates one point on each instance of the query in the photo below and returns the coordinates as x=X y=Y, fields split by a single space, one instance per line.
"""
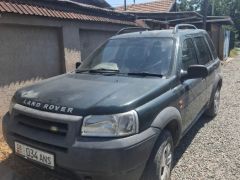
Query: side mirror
x=78 y=64
x=195 y=72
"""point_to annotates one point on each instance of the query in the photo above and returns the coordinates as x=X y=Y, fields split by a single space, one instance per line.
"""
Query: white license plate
x=34 y=154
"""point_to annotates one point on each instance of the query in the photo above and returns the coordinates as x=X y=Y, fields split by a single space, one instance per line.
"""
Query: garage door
x=27 y=54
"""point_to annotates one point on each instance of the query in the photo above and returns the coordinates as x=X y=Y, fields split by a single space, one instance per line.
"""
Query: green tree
x=189 y=5
x=216 y=8
x=228 y=8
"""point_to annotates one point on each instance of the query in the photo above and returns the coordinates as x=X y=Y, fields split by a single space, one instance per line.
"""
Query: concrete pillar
x=71 y=47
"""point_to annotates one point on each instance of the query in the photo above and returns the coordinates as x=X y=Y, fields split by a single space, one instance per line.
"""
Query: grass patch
x=235 y=52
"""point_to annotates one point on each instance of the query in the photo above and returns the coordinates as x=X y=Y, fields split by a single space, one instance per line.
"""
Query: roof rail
x=189 y=26
x=132 y=29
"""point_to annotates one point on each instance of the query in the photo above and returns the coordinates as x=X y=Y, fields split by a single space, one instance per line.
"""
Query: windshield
x=132 y=55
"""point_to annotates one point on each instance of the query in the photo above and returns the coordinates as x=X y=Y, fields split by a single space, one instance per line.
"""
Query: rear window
x=213 y=49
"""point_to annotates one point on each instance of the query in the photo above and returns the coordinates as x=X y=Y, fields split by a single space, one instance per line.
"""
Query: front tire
x=160 y=163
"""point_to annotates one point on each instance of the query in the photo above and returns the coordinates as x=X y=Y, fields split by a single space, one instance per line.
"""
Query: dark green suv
x=122 y=112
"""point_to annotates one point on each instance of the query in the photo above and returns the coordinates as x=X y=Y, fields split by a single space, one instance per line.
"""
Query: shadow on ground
x=6 y=172
x=188 y=138
x=15 y=168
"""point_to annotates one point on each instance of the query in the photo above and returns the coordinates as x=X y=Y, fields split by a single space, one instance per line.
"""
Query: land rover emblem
x=47 y=107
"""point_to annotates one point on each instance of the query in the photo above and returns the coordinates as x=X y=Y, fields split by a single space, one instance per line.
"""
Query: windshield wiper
x=100 y=70
x=81 y=71
x=145 y=74
x=103 y=70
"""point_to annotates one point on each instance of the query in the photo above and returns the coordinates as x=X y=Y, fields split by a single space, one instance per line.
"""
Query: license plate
x=36 y=155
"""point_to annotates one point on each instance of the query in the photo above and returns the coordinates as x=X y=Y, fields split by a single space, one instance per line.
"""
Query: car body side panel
x=149 y=111
x=213 y=76
x=193 y=99
x=216 y=81
x=195 y=94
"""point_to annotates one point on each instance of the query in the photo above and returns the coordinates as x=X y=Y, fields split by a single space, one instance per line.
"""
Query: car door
x=205 y=58
x=213 y=66
x=194 y=88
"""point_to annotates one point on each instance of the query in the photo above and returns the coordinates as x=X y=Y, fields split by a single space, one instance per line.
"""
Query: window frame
x=197 y=49
x=194 y=50
x=210 y=43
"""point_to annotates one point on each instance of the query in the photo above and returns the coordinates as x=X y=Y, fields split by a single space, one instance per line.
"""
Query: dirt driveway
x=211 y=150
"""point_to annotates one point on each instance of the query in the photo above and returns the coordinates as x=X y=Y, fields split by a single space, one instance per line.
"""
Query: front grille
x=42 y=125
x=36 y=143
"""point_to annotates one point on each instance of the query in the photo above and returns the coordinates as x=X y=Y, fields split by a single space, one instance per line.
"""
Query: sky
x=121 y=2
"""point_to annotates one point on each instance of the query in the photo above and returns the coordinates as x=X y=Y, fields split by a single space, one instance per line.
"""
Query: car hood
x=85 y=94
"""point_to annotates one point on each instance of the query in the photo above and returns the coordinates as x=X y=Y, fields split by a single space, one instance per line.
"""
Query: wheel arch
x=217 y=84
x=170 y=119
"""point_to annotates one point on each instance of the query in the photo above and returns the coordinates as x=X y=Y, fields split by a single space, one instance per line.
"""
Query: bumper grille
x=58 y=130
x=42 y=125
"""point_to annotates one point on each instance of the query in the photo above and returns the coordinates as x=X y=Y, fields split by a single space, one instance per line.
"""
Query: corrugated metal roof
x=64 y=9
x=155 y=6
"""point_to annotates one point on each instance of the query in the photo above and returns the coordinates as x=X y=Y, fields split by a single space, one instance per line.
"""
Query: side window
x=204 y=55
x=209 y=40
x=188 y=54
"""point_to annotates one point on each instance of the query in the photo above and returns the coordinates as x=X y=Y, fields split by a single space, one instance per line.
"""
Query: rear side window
x=188 y=54
x=204 y=55
x=213 y=49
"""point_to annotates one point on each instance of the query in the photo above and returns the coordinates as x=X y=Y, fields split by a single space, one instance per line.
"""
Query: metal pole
x=205 y=6
x=213 y=8
x=125 y=5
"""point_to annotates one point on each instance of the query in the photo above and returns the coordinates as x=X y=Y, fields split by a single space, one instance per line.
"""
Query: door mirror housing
x=78 y=64
x=195 y=72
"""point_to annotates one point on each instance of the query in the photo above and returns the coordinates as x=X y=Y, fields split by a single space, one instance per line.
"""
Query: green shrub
x=235 y=52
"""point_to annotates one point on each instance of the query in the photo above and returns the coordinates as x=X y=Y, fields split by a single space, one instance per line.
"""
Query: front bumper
x=94 y=158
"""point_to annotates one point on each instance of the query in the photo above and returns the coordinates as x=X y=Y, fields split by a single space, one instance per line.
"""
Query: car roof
x=160 y=33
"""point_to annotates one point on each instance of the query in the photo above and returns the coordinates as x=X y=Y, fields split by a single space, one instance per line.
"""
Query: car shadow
x=6 y=171
x=188 y=138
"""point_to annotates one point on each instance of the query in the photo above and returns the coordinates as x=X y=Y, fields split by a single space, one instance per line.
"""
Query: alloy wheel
x=166 y=164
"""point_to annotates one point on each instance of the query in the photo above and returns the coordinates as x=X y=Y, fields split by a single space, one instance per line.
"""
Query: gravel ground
x=210 y=150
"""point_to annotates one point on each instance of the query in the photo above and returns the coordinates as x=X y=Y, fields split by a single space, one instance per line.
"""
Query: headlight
x=111 y=125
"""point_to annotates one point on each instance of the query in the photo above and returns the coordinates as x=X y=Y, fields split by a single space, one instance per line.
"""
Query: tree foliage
x=189 y=5
x=216 y=8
